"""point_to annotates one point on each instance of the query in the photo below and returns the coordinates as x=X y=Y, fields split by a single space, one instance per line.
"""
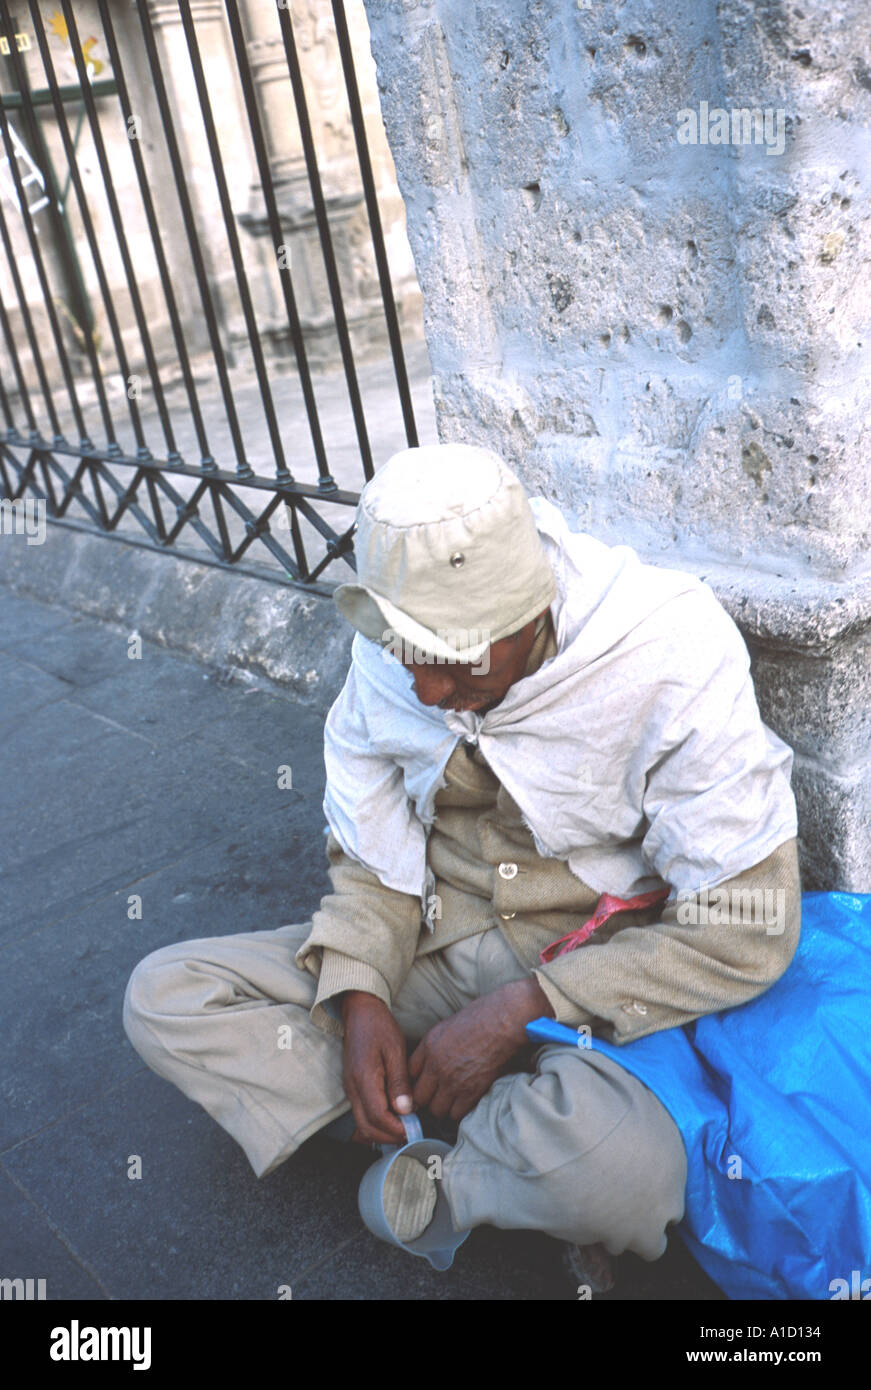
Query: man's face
x=455 y=685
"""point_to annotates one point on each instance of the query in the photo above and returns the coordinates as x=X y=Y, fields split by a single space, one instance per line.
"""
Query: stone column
x=314 y=31
x=228 y=110
x=642 y=236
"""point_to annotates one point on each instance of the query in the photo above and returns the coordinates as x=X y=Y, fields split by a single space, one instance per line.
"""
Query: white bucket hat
x=448 y=555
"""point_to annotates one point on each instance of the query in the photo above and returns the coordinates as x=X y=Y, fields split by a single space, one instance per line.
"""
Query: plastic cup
x=440 y=1241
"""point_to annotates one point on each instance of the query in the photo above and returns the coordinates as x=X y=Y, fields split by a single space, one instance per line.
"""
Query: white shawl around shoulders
x=637 y=754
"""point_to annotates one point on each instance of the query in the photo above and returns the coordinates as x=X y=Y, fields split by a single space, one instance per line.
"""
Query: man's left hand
x=459 y=1059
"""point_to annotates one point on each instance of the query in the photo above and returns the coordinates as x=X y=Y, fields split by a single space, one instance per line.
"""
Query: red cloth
x=605 y=908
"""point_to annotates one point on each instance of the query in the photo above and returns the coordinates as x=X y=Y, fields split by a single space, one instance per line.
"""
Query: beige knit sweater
x=641 y=972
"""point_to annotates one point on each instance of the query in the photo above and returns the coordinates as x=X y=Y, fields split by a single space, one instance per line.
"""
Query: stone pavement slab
x=32 y=1249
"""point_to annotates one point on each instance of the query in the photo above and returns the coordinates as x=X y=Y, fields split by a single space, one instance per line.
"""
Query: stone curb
x=220 y=618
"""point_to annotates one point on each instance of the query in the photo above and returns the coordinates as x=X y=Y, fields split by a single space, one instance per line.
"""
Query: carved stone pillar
x=326 y=99
x=228 y=110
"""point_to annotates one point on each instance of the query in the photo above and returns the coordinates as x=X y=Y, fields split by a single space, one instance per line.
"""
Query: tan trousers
x=579 y=1149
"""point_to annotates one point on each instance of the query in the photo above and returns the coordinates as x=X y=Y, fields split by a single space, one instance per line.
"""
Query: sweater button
x=633 y=1007
x=507 y=870
x=506 y=916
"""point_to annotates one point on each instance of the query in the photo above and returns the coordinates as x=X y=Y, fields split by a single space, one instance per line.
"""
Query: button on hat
x=448 y=555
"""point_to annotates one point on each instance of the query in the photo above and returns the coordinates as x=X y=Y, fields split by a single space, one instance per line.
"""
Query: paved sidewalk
x=157 y=778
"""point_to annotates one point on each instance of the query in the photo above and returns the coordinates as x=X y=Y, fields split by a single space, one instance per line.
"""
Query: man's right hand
x=375 y=1069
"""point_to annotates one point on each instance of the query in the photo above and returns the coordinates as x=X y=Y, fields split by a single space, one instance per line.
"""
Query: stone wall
x=642 y=235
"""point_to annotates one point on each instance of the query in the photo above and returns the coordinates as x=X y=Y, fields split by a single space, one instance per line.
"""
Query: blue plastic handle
x=547 y=1030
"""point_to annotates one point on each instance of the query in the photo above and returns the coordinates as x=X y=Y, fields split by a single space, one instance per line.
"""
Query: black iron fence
x=64 y=442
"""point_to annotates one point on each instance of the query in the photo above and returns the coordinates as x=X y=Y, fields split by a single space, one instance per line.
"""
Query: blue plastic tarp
x=773 y=1100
